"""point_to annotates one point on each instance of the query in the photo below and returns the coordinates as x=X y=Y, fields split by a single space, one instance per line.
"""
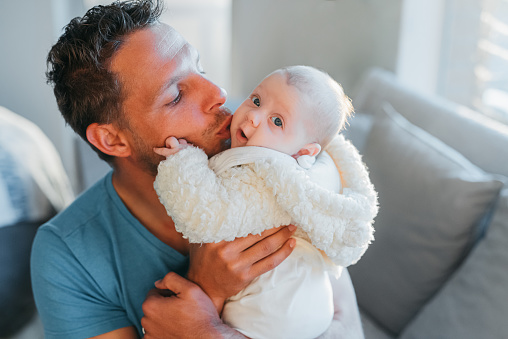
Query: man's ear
x=108 y=139
x=311 y=149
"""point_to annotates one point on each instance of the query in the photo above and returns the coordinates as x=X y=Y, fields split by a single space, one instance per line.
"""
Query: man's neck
x=135 y=188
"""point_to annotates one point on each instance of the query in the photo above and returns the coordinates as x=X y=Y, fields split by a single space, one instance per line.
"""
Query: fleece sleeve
x=339 y=224
x=206 y=208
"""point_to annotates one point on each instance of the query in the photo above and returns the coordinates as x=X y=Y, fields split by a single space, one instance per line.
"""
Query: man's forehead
x=168 y=40
x=151 y=59
x=150 y=48
x=160 y=38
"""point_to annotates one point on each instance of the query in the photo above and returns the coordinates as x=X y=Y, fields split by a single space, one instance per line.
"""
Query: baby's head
x=296 y=110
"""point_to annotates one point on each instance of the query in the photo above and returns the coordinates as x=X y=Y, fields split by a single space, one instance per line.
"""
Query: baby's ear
x=311 y=149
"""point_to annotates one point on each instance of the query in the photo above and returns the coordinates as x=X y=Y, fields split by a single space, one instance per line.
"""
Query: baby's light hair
x=330 y=106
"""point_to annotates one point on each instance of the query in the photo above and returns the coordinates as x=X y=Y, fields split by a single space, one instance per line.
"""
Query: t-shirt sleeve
x=70 y=303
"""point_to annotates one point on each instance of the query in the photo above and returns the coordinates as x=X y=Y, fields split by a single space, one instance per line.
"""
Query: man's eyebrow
x=168 y=84
x=175 y=79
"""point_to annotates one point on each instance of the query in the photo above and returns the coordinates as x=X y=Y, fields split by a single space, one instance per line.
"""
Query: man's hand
x=173 y=146
x=186 y=313
x=180 y=308
x=223 y=269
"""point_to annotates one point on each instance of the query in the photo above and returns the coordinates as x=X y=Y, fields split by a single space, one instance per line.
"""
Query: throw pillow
x=357 y=129
x=474 y=303
x=431 y=201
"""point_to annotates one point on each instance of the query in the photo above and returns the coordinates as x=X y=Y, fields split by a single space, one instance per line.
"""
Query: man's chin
x=222 y=146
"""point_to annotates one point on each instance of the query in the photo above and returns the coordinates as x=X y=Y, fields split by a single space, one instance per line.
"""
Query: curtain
x=474 y=60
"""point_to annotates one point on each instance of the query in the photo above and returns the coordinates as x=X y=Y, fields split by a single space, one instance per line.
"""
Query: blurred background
x=456 y=49
x=452 y=48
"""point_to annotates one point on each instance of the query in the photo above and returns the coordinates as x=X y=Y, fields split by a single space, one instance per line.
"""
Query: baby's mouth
x=241 y=135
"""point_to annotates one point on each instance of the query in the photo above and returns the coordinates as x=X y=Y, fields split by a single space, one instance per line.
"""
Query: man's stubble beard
x=149 y=160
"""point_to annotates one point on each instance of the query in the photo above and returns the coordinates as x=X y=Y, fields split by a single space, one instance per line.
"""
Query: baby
x=263 y=182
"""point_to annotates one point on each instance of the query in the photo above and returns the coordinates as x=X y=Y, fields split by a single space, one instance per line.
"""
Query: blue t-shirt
x=93 y=264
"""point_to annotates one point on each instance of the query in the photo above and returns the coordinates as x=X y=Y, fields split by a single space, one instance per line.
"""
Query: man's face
x=273 y=116
x=166 y=94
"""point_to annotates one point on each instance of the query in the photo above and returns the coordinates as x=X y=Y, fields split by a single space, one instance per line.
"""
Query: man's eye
x=277 y=121
x=175 y=100
x=256 y=101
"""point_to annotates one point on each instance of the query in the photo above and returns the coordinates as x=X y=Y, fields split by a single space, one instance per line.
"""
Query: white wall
x=342 y=37
x=420 y=47
x=28 y=30
x=206 y=24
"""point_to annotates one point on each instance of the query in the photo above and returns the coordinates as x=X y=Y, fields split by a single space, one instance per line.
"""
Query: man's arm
x=189 y=313
x=346 y=322
x=217 y=271
x=122 y=333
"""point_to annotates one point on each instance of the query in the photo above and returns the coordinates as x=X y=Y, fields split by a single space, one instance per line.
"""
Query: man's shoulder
x=95 y=204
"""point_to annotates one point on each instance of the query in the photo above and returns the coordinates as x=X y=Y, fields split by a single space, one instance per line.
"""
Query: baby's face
x=273 y=116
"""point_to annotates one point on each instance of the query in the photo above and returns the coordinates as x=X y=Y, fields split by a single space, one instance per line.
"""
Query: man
x=125 y=82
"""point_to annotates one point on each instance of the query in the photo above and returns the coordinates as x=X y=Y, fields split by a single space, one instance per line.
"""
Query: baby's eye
x=256 y=101
x=277 y=121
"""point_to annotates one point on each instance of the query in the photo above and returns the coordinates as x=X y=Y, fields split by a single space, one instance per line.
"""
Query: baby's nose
x=254 y=118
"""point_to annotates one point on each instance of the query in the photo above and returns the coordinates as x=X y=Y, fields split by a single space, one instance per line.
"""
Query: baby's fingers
x=172 y=142
x=165 y=152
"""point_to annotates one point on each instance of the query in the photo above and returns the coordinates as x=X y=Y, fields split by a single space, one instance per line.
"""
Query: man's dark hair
x=86 y=90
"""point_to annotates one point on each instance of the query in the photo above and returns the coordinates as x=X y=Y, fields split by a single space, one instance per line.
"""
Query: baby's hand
x=173 y=146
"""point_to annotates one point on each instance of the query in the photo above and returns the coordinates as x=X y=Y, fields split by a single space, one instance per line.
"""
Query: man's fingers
x=165 y=152
x=270 y=240
x=153 y=293
x=273 y=260
x=251 y=240
x=274 y=248
x=174 y=282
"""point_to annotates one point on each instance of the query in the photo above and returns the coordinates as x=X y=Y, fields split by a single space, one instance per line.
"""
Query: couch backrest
x=481 y=139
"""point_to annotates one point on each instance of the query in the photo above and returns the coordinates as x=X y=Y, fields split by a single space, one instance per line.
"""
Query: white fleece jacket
x=266 y=193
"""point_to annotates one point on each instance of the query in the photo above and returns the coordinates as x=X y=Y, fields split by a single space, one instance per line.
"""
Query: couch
x=438 y=265
x=33 y=187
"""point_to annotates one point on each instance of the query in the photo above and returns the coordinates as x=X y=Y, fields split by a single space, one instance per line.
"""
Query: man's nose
x=215 y=96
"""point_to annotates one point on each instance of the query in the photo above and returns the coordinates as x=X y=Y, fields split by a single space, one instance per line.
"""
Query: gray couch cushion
x=357 y=129
x=431 y=199
x=17 y=305
x=474 y=303
x=371 y=330
x=466 y=131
